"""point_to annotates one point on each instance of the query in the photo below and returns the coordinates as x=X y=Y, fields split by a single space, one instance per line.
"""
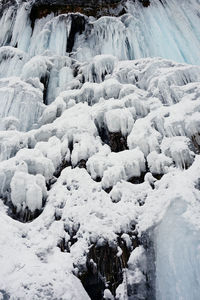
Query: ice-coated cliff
x=99 y=150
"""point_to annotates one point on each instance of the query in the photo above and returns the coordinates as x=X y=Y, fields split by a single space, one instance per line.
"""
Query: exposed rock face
x=90 y=3
x=41 y=8
x=105 y=266
x=94 y=8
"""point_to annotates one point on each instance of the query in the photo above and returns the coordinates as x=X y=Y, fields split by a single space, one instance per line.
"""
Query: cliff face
x=41 y=8
x=93 y=8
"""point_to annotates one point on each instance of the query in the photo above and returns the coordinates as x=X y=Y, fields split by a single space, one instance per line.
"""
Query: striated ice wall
x=164 y=28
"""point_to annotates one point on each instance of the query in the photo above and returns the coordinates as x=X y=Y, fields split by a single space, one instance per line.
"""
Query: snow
x=32 y=277
x=84 y=146
x=59 y=114
x=116 y=166
x=99 y=67
x=178 y=149
x=108 y=294
x=159 y=163
x=37 y=163
x=144 y=136
x=36 y=67
x=119 y=120
x=27 y=191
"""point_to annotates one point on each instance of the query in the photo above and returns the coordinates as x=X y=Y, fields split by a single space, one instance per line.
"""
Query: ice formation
x=99 y=150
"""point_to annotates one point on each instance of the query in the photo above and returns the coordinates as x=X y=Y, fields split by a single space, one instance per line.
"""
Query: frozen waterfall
x=99 y=150
x=167 y=29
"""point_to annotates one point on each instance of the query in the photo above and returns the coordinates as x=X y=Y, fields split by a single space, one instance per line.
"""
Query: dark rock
x=145 y=3
x=137 y=180
x=105 y=267
x=94 y=8
x=26 y=215
x=82 y=164
x=147 y=242
x=4 y=4
x=45 y=81
x=77 y=26
x=4 y=294
x=195 y=139
x=117 y=142
x=63 y=165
